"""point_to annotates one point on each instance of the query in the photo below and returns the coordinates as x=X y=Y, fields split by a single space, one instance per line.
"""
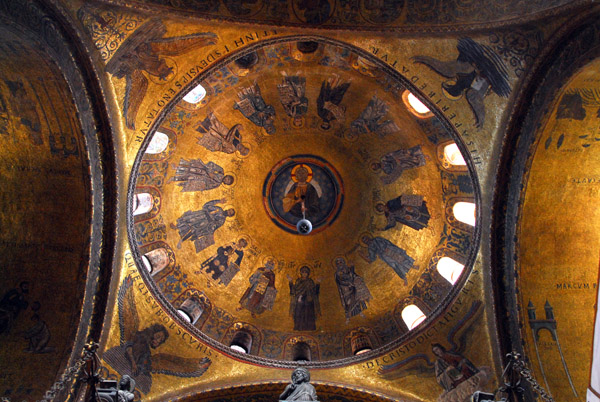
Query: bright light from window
x=449 y=269
x=195 y=95
x=453 y=155
x=238 y=348
x=159 y=143
x=412 y=316
x=147 y=264
x=184 y=315
x=417 y=104
x=142 y=204
x=464 y=212
x=360 y=352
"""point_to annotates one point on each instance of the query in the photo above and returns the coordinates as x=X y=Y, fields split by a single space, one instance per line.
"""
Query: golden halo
x=343 y=257
x=310 y=172
x=360 y=238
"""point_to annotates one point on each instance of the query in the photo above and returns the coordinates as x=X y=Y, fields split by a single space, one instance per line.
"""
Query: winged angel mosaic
x=144 y=51
x=476 y=71
x=135 y=356
x=456 y=374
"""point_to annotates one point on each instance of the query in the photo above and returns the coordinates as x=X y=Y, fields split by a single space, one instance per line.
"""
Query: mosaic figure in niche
x=224 y=265
x=476 y=70
x=353 y=291
x=369 y=120
x=218 y=138
x=328 y=102
x=143 y=52
x=304 y=301
x=409 y=210
x=292 y=96
x=254 y=108
x=195 y=175
x=12 y=303
x=200 y=226
x=135 y=354
x=392 y=255
x=260 y=295
x=396 y=162
x=302 y=196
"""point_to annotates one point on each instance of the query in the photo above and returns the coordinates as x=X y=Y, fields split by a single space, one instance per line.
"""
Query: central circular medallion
x=303 y=186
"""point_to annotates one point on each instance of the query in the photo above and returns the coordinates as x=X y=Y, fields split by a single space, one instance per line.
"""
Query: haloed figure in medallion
x=304 y=302
x=302 y=196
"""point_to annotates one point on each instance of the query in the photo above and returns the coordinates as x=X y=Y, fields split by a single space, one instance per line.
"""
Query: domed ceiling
x=293 y=128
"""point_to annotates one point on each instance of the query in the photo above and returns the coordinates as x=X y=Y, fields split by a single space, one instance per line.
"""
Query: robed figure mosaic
x=354 y=294
x=304 y=301
x=395 y=257
x=200 y=226
x=195 y=175
x=260 y=295
x=135 y=354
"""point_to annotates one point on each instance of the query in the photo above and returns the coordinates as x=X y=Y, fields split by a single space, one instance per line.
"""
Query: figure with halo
x=302 y=196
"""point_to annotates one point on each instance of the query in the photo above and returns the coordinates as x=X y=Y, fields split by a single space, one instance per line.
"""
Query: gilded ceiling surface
x=43 y=173
x=558 y=268
x=228 y=135
x=300 y=127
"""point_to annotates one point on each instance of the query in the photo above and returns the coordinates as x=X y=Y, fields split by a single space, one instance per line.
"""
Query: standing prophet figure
x=260 y=295
x=200 y=226
x=195 y=175
x=396 y=162
x=392 y=255
x=354 y=293
x=300 y=389
x=304 y=301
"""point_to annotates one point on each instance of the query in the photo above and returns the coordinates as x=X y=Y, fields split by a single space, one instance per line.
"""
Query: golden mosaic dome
x=302 y=128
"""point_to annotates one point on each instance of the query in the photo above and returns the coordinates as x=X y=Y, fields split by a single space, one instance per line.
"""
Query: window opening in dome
x=464 y=212
x=301 y=351
x=158 y=260
x=415 y=106
x=360 y=344
x=453 y=156
x=158 y=144
x=449 y=269
x=184 y=315
x=195 y=95
x=191 y=309
x=241 y=342
x=147 y=264
x=142 y=203
x=413 y=316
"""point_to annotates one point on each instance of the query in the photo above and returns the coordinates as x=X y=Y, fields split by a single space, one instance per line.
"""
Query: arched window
x=449 y=269
x=464 y=212
x=360 y=344
x=142 y=203
x=190 y=310
x=241 y=342
x=195 y=95
x=301 y=351
x=156 y=260
x=412 y=316
x=453 y=156
x=415 y=106
x=158 y=144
